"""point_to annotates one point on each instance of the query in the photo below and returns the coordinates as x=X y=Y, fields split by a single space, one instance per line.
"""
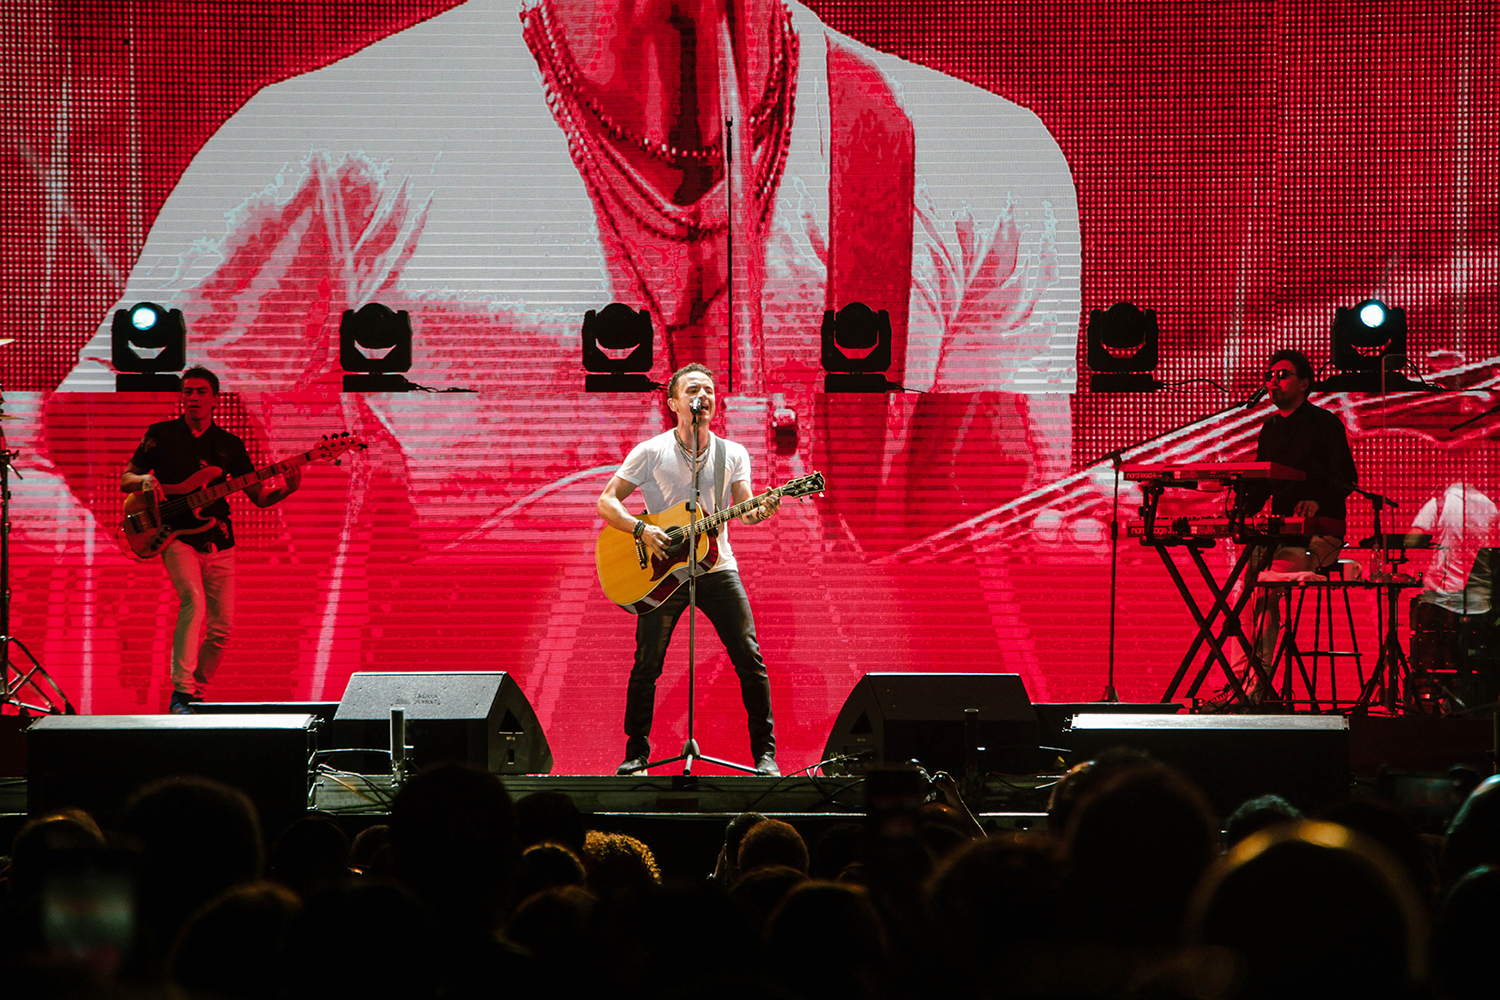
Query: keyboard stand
x=1163 y=543
x=1207 y=622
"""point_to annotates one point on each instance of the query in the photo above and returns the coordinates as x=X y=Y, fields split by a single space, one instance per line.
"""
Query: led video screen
x=987 y=174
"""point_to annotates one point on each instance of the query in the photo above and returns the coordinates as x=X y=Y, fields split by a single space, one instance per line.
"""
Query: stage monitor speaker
x=891 y=718
x=96 y=762
x=481 y=717
x=1233 y=758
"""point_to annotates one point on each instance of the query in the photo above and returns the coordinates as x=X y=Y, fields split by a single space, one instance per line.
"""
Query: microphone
x=696 y=406
x=1255 y=397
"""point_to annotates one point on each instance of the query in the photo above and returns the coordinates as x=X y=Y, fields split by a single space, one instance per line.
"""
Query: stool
x=1335 y=577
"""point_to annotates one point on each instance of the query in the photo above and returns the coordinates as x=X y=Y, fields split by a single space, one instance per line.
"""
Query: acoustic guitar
x=637 y=585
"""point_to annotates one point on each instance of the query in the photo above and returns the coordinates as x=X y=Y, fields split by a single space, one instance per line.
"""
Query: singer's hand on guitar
x=293 y=478
x=656 y=541
x=637 y=584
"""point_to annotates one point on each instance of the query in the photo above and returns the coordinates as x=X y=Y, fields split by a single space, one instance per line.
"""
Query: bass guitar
x=639 y=585
x=154 y=517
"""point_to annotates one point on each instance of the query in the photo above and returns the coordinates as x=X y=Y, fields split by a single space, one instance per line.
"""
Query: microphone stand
x=1387 y=672
x=1391 y=666
x=14 y=679
x=690 y=750
x=1116 y=459
x=1110 y=694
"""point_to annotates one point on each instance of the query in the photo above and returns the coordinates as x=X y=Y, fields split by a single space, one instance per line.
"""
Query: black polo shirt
x=1310 y=439
x=171 y=452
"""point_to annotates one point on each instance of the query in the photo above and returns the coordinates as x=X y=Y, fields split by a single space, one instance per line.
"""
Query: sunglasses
x=1280 y=375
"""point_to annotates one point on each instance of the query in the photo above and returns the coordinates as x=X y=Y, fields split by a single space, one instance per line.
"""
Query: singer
x=1312 y=439
x=662 y=467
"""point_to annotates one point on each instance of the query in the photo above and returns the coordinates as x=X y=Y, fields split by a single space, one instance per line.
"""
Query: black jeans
x=722 y=599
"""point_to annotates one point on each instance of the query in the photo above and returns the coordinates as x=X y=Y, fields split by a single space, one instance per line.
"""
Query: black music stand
x=1392 y=679
x=1386 y=682
x=1391 y=667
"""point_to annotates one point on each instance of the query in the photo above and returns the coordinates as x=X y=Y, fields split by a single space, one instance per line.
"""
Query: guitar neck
x=209 y=494
x=716 y=519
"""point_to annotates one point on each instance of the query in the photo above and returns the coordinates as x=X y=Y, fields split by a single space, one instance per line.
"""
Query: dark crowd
x=1135 y=889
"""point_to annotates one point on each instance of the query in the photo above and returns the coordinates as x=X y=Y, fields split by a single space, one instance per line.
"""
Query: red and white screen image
x=987 y=173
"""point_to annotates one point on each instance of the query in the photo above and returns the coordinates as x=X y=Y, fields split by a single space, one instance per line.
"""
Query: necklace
x=571 y=75
x=688 y=453
x=611 y=175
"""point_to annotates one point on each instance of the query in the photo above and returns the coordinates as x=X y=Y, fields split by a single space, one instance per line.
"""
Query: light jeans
x=205 y=612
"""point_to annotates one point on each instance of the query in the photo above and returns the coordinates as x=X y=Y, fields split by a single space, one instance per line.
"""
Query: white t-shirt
x=1462 y=521
x=660 y=468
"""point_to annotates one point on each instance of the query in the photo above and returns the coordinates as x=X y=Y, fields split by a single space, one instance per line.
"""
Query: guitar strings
x=339 y=443
x=728 y=513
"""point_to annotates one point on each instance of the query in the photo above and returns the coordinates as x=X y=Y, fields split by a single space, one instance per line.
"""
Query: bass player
x=200 y=565
x=662 y=468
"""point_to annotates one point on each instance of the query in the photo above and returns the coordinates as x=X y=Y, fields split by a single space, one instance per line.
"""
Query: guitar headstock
x=804 y=485
x=334 y=445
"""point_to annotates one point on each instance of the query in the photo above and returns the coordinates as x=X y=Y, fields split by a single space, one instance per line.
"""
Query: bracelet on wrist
x=640 y=529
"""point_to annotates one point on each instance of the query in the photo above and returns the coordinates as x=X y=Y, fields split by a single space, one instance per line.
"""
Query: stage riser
x=1304 y=759
x=97 y=762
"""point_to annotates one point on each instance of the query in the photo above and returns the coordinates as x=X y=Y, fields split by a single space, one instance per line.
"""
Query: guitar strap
x=719 y=460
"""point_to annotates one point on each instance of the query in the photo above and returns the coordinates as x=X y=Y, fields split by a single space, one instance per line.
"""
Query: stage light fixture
x=148 y=347
x=1366 y=333
x=1368 y=349
x=618 y=349
x=857 y=349
x=1122 y=348
x=375 y=349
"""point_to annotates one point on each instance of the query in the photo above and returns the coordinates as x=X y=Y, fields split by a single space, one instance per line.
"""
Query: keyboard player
x=1313 y=440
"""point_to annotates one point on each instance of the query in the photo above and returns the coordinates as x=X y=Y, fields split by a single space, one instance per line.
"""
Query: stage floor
x=667 y=803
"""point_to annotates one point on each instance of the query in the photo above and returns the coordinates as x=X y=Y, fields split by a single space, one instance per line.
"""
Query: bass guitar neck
x=154 y=518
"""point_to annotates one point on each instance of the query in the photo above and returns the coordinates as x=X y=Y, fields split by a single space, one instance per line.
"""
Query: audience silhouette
x=1313 y=909
x=1126 y=893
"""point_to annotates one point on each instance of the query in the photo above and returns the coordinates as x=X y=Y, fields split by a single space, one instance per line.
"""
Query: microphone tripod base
x=690 y=753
